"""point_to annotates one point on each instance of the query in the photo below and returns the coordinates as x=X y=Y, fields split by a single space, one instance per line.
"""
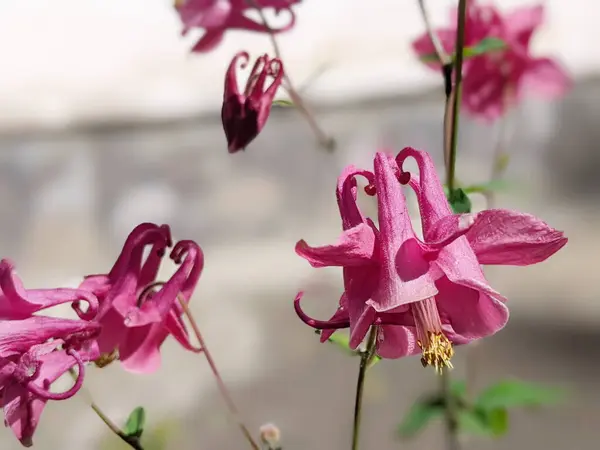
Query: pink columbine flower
x=494 y=81
x=218 y=16
x=422 y=294
x=137 y=313
x=245 y=114
x=35 y=352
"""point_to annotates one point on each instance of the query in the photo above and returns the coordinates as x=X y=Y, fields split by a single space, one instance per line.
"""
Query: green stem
x=450 y=411
x=233 y=410
x=365 y=361
x=132 y=441
x=456 y=94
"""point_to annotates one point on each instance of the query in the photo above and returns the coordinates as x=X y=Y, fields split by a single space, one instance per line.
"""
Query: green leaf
x=487 y=45
x=135 y=422
x=497 y=420
x=375 y=360
x=472 y=421
x=283 y=103
x=459 y=388
x=459 y=201
x=514 y=393
x=418 y=416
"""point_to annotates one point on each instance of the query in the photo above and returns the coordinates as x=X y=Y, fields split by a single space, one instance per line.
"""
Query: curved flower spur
x=422 y=294
x=245 y=114
x=136 y=311
x=36 y=350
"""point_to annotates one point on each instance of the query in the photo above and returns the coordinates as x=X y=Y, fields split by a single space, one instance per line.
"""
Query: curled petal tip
x=318 y=324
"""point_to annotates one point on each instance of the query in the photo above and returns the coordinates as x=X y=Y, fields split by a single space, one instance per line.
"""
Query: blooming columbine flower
x=244 y=115
x=137 y=313
x=422 y=294
x=218 y=16
x=36 y=350
x=493 y=81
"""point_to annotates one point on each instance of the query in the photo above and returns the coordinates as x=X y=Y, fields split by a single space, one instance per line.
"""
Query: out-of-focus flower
x=245 y=114
x=34 y=353
x=218 y=16
x=422 y=294
x=137 y=313
x=496 y=80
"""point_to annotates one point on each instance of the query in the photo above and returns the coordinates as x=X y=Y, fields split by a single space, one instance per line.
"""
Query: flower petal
x=471 y=308
x=140 y=353
x=404 y=272
x=522 y=22
x=546 y=77
x=17 y=336
x=355 y=247
x=501 y=236
x=395 y=341
x=20 y=303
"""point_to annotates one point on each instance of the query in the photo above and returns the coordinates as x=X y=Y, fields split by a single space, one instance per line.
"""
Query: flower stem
x=327 y=142
x=132 y=441
x=365 y=361
x=222 y=388
x=450 y=411
x=452 y=129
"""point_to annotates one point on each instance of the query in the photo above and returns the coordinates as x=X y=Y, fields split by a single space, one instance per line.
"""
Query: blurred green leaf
x=471 y=421
x=514 y=393
x=497 y=420
x=283 y=103
x=418 y=416
x=487 y=45
x=496 y=185
x=135 y=422
x=459 y=201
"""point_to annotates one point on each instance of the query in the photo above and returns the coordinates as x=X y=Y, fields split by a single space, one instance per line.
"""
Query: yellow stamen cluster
x=106 y=358
x=437 y=351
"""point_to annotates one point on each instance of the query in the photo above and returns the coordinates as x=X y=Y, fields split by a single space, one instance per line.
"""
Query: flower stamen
x=436 y=348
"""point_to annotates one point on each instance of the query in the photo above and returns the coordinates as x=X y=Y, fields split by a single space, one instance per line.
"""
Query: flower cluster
x=124 y=314
x=494 y=81
x=423 y=294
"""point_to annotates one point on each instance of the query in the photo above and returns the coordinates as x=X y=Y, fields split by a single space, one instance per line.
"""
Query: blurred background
x=106 y=121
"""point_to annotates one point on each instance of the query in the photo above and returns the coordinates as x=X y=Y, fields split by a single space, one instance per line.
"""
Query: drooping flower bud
x=244 y=114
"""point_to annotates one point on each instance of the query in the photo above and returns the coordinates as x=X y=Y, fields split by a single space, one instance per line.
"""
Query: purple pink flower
x=494 y=81
x=36 y=350
x=218 y=16
x=245 y=114
x=136 y=311
x=423 y=294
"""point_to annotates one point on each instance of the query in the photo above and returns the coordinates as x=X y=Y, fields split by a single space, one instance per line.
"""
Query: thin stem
x=460 y=44
x=222 y=388
x=446 y=68
x=499 y=158
x=365 y=361
x=132 y=441
x=325 y=141
x=450 y=410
